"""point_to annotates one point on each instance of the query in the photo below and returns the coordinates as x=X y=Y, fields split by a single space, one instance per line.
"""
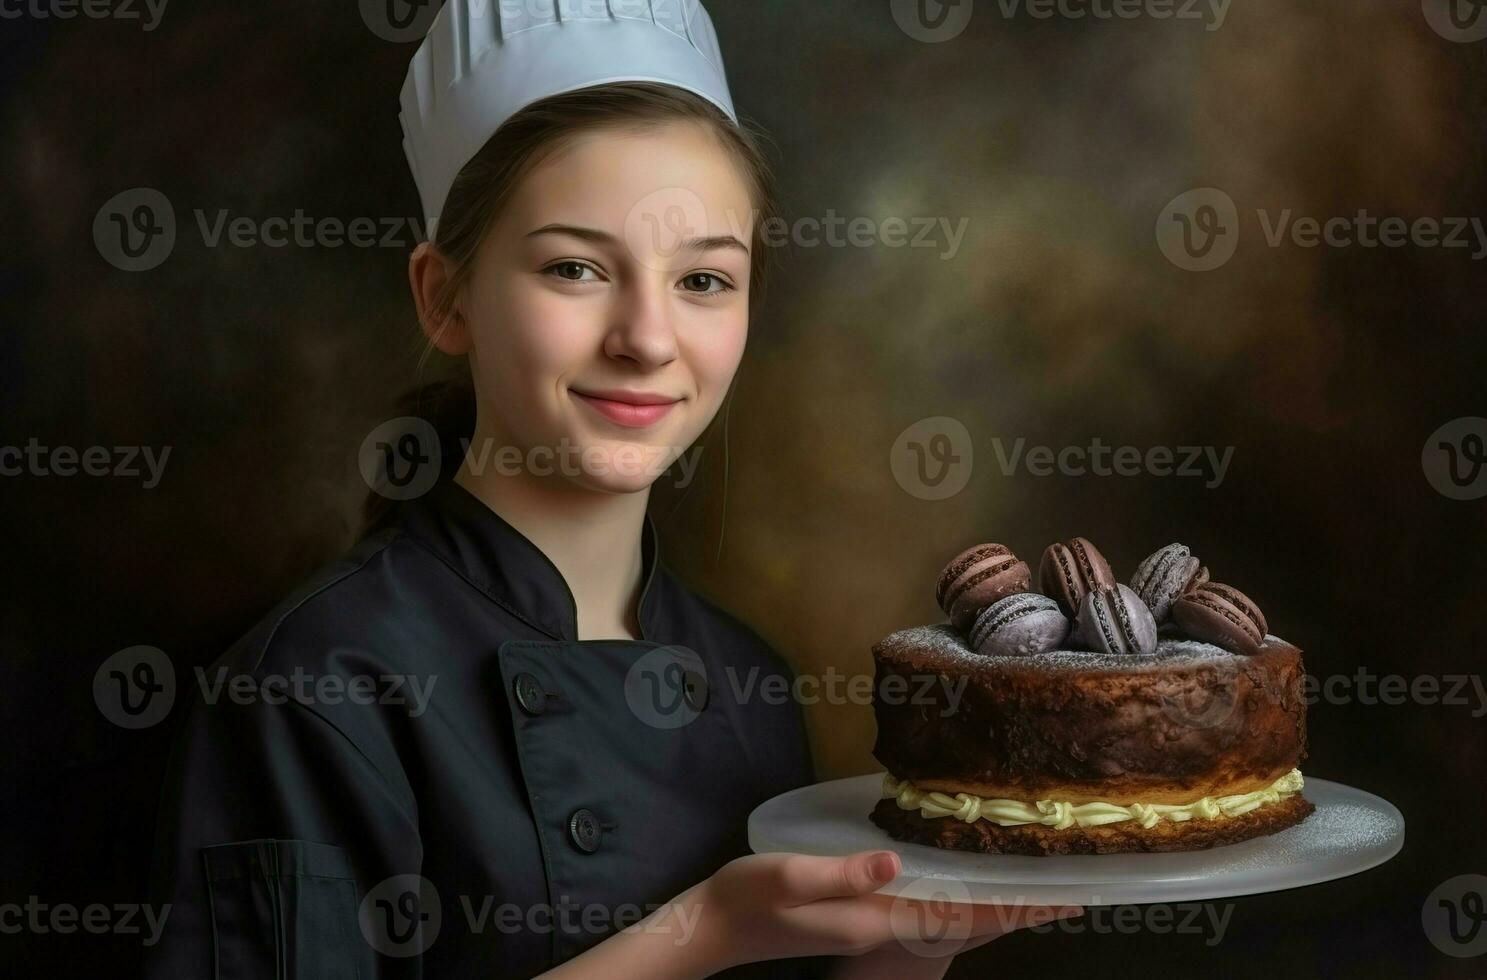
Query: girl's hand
x=771 y=906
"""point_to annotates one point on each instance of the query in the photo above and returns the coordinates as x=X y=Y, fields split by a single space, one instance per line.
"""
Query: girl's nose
x=641 y=328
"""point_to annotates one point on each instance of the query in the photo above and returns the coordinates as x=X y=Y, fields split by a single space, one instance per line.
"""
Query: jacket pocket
x=283 y=910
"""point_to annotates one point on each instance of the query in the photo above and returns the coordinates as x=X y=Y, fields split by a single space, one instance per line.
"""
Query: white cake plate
x=1351 y=831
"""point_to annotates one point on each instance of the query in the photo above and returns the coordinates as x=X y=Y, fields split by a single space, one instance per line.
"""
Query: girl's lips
x=625 y=413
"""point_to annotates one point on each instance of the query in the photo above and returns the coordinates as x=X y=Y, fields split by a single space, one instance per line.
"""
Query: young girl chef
x=511 y=736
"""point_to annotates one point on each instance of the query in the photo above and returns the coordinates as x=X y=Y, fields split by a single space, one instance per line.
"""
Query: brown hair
x=485 y=184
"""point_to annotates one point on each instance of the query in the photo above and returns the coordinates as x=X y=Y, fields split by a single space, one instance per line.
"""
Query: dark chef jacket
x=551 y=791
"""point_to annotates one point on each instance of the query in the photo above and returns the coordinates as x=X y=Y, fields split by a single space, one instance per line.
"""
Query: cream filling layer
x=1062 y=816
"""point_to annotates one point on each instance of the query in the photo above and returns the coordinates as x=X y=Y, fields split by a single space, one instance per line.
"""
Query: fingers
x=805 y=878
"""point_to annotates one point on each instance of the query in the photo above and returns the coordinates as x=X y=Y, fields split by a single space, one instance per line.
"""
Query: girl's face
x=608 y=307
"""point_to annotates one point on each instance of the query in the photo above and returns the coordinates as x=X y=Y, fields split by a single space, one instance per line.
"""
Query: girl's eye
x=571 y=271
x=699 y=282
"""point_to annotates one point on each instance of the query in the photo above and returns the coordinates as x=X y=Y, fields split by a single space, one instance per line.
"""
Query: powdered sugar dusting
x=943 y=641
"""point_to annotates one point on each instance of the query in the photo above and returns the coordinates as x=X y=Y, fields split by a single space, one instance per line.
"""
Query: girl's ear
x=429 y=272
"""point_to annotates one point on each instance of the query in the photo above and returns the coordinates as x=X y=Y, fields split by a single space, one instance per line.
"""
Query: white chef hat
x=483 y=60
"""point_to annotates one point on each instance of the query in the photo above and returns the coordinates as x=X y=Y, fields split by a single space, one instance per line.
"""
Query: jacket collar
x=503 y=563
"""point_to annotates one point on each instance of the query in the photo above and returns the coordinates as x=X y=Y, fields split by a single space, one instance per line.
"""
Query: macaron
x=1166 y=574
x=1070 y=571
x=1019 y=625
x=976 y=578
x=1115 y=620
x=1222 y=615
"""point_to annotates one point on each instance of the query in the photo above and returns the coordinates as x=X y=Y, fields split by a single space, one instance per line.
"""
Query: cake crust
x=1188 y=721
x=1114 y=838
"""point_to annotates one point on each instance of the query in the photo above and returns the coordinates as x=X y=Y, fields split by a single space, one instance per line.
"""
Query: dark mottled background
x=1058 y=321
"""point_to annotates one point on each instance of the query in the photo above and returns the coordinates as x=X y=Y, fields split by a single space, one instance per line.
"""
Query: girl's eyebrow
x=605 y=238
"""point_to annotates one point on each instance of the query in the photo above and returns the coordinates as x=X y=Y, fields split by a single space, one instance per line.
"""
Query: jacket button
x=529 y=694
x=694 y=689
x=584 y=829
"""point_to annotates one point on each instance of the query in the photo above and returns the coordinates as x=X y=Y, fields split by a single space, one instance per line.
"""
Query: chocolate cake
x=1095 y=729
